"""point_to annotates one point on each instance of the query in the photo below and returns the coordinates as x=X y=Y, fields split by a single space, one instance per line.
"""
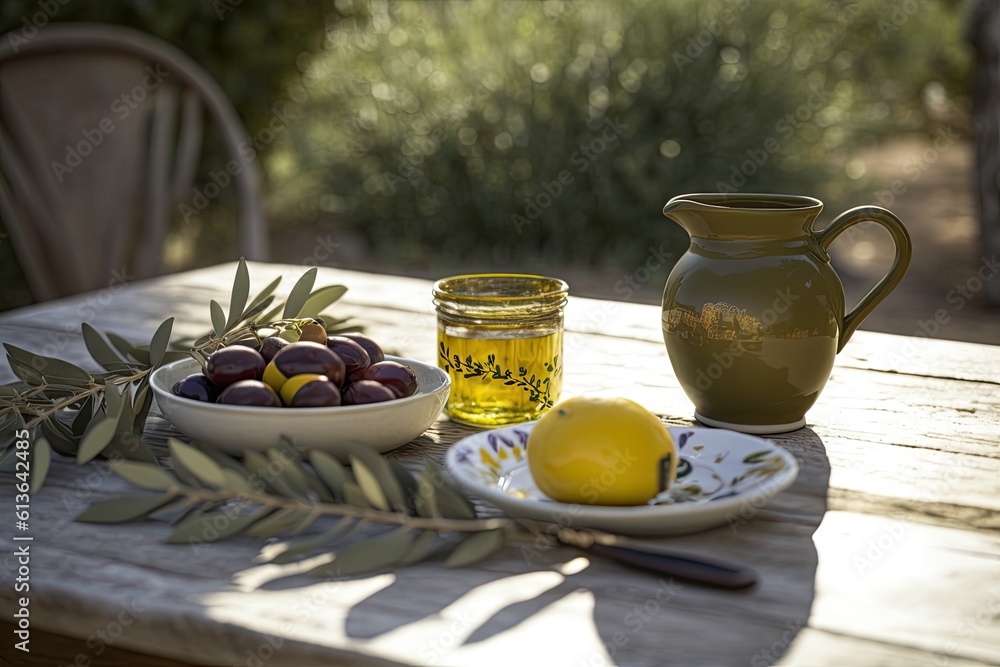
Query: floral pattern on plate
x=719 y=472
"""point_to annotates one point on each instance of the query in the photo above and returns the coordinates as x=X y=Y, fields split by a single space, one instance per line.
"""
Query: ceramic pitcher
x=753 y=312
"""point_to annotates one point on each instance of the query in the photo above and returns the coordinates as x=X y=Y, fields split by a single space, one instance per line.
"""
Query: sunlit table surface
x=885 y=551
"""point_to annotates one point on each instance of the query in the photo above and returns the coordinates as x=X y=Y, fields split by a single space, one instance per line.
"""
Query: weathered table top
x=885 y=551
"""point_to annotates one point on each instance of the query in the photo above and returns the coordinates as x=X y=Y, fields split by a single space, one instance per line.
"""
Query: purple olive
x=232 y=364
x=398 y=377
x=250 y=392
x=197 y=387
x=374 y=350
x=363 y=392
x=355 y=358
x=306 y=357
x=316 y=394
x=270 y=347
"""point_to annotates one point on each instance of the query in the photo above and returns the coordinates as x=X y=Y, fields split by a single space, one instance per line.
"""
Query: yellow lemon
x=601 y=451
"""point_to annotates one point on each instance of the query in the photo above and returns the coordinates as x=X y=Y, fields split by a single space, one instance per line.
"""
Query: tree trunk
x=984 y=33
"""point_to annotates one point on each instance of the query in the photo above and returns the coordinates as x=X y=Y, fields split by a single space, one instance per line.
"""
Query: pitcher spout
x=743 y=216
x=689 y=214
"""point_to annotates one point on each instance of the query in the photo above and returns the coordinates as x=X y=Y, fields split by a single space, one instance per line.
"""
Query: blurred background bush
x=431 y=137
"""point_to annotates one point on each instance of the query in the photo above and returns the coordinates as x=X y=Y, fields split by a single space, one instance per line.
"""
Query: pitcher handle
x=900 y=238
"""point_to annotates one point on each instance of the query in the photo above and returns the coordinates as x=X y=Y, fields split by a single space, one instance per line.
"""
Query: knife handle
x=712 y=571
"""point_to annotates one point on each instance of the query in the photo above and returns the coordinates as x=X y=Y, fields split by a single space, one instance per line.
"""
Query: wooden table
x=885 y=551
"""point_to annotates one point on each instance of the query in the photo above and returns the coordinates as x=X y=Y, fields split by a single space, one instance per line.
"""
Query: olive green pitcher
x=753 y=312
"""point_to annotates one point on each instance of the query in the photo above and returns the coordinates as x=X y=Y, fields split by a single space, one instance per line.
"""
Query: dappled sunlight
x=318 y=614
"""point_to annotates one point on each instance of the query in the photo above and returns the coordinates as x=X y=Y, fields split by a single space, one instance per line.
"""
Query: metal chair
x=100 y=136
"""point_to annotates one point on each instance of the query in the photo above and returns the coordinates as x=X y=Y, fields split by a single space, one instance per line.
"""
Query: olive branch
x=111 y=406
x=538 y=388
x=209 y=496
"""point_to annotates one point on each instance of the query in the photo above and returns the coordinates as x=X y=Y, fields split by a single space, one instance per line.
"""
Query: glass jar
x=500 y=339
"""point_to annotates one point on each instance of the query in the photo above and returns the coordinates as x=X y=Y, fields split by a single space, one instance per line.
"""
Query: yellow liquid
x=510 y=379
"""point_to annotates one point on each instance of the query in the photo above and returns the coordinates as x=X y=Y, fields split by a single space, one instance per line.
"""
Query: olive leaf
x=127 y=349
x=284 y=552
x=369 y=485
x=216 y=525
x=160 y=341
x=422 y=548
x=96 y=438
x=476 y=547
x=126 y=508
x=300 y=293
x=25 y=371
x=144 y=475
x=83 y=417
x=447 y=502
x=353 y=495
x=55 y=432
x=233 y=481
x=218 y=318
x=331 y=472
x=240 y=294
x=50 y=367
x=41 y=458
x=321 y=299
x=259 y=467
x=372 y=554
x=112 y=398
x=384 y=477
x=100 y=350
x=197 y=463
x=288 y=471
x=281 y=520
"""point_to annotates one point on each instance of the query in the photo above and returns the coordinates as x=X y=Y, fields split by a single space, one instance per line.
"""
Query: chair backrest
x=100 y=137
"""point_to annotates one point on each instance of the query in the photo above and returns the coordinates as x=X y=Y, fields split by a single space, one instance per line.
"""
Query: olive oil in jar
x=500 y=339
x=498 y=381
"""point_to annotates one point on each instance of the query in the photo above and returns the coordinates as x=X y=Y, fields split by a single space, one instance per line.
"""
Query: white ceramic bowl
x=238 y=428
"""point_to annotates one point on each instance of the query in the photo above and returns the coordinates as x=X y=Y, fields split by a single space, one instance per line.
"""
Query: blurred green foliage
x=439 y=131
x=504 y=134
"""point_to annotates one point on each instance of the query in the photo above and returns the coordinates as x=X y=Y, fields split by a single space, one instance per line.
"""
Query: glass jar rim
x=448 y=288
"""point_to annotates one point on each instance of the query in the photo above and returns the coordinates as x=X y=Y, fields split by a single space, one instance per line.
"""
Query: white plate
x=721 y=476
x=238 y=428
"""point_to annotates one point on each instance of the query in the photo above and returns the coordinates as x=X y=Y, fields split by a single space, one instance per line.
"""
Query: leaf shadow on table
x=464 y=612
